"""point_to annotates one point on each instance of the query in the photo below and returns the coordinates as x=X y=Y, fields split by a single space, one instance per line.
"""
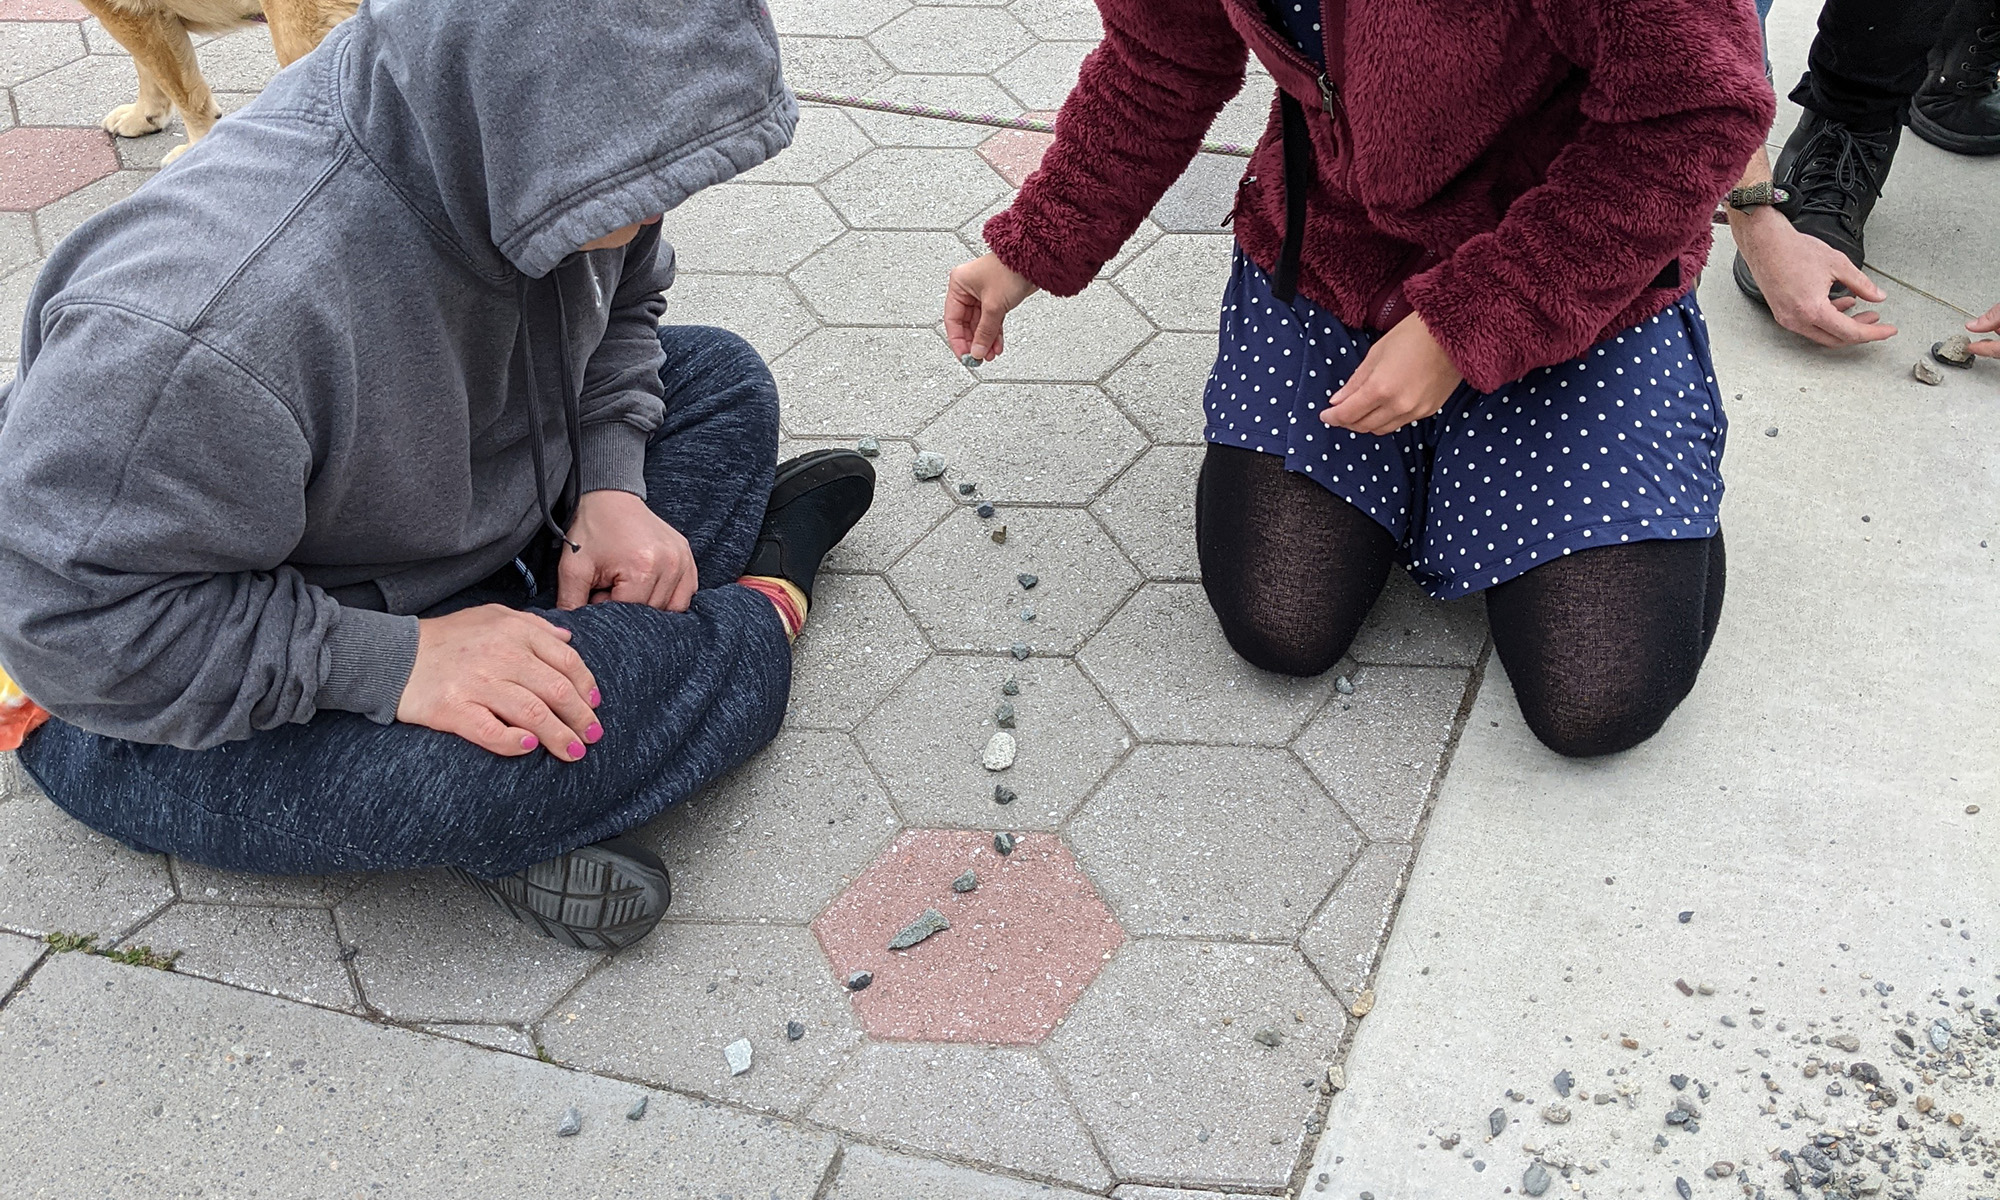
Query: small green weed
x=131 y=956
x=63 y=943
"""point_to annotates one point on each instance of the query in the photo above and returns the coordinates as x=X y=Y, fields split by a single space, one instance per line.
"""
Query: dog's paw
x=130 y=120
x=175 y=153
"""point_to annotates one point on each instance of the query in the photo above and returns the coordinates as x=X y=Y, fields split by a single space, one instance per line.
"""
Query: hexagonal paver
x=832 y=64
x=198 y=884
x=1021 y=947
x=41 y=10
x=980 y=1103
x=1178 y=281
x=1250 y=849
x=1161 y=386
x=850 y=18
x=826 y=140
x=289 y=952
x=77 y=94
x=1015 y=153
x=58 y=219
x=1072 y=19
x=241 y=62
x=1042 y=75
x=1166 y=667
x=913 y=189
x=927 y=738
x=763 y=310
x=857 y=644
x=749 y=227
x=431 y=948
x=29 y=48
x=1409 y=628
x=662 y=1012
x=951 y=41
x=868 y=383
x=40 y=165
x=58 y=875
x=1379 y=750
x=872 y=278
x=1035 y=443
x=777 y=837
x=964 y=590
x=1077 y=338
x=17 y=241
x=966 y=93
x=1244 y=119
x=14 y=291
x=17 y=954
x=1200 y=200
x=1186 y=1095
x=1346 y=938
x=1150 y=510
x=870 y=1174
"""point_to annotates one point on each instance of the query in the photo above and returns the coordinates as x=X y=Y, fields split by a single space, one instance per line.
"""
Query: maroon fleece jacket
x=1538 y=163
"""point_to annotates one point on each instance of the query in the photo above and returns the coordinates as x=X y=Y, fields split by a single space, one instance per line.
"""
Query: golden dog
x=155 y=32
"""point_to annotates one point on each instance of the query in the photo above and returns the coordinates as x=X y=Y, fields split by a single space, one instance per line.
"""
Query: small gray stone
x=1841 y=1041
x=928 y=464
x=1535 y=1180
x=1004 y=715
x=1564 y=1081
x=1004 y=842
x=1002 y=794
x=1020 y=651
x=1926 y=373
x=1681 y=1186
x=1679 y=1082
x=860 y=980
x=1011 y=688
x=737 y=1054
x=968 y=360
x=1954 y=351
x=999 y=536
x=1940 y=1036
x=930 y=921
x=966 y=489
x=1496 y=1121
x=1687 y=914
x=965 y=883
x=868 y=447
x=572 y=1123
x=1028 y=613
x=1771 y=432
x=1687 y=1104
x=1728 y=1021
x=1269 y=1036
x=1556 y=1114
x=1027 y=581
x=794 y=1030
x=999 y=752
x=637 y=1110
x=1343 y=685
x=984 y=510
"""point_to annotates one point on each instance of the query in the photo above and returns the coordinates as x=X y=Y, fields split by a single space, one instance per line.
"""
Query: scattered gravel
x=1954 y=351
x=571 y=1124
x=1011 y=688
x=794 y=1030
x=1926 y=373
x=1020 y=651
x=1496 y=1122
x=985 y=511
x=1269 y=1036
x=1005 y=842
x=999 y=752
x=737 y=1054
x=1002 y=794
x=1027 y=581
x=860 y=980
x=966 y=883
x=1771 y=432
x=868 y=447
x=928 y=464
x=638 y=1110
x=999 y=535
x=1003 y=716
x=1343 y=685
x=1535 y=1180
x=930 y=921
x=966 y=489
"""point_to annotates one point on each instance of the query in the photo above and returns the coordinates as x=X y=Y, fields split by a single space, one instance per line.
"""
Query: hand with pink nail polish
x=502 y=679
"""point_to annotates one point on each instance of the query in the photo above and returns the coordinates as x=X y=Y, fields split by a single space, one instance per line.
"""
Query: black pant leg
x=1869 y=58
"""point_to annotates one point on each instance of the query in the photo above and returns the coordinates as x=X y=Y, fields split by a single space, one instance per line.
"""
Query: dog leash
x=1027 y=124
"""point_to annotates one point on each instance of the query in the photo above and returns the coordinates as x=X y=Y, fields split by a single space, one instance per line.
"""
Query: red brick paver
x=41 y=10
x=1015 y=153
x=38 y=165
x=1020 y=950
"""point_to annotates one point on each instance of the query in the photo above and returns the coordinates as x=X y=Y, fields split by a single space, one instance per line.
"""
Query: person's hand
x=628 y=555
x=504 y=680
x=976 y=302
x=1796 y=271
x=1990 y=323
x=1406 y=377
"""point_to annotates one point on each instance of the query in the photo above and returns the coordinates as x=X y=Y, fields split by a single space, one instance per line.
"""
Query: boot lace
x=1837 y=164
x=1979 y=73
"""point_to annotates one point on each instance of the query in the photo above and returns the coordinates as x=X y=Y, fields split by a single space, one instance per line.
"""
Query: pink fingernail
x=576 y=749
x=530 y=742
x=595 y=698
x=594 y=733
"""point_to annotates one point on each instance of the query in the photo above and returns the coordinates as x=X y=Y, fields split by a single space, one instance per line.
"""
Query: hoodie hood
x=522 y=129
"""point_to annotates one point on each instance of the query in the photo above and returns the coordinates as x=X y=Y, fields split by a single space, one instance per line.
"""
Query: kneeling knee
x=1258 y=644
x=1593 y=730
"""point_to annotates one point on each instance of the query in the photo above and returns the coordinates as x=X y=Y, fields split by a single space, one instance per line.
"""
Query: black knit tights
x=1601 y=645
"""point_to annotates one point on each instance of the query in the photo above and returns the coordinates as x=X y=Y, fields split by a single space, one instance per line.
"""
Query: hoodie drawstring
x=572 y=426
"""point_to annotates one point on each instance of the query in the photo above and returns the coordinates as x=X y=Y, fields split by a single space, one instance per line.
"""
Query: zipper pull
x=1328 y=97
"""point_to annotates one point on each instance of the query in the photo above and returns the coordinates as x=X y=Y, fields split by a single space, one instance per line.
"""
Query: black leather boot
x=1834 y=175
x=1958 y=108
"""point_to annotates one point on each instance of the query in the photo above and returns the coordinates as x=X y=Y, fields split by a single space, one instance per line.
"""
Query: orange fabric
x=19 y=716
x=785 y=597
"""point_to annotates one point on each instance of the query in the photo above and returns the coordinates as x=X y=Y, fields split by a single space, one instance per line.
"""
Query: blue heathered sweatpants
x=687 y=696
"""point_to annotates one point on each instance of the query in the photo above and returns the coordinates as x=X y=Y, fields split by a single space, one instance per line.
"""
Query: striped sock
x=784 y=596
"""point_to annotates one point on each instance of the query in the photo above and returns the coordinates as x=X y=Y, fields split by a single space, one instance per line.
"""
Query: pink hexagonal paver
x=41 y=10
x=1020 y=950
x=38 y=165
x=1015 y=153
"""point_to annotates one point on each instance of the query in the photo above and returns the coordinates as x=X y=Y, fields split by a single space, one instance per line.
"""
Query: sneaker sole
x=600 y=897
x=1950 y=139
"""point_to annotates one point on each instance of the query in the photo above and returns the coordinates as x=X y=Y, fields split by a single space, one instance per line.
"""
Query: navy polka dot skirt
x=1621 y=444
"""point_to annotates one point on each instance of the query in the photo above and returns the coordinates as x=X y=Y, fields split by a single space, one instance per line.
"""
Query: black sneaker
x=1834 y=175
x=815 y=499
x=1958 y=108
x=604 y=896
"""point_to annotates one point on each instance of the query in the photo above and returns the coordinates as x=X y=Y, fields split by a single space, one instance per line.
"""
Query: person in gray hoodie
x=356 y=513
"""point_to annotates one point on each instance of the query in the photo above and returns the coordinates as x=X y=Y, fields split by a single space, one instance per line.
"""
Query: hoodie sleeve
x=621 y=400
x=1131 y=125
x=1675 y=102
x=143 y=586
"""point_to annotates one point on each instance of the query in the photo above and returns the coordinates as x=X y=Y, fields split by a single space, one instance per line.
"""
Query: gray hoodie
x=278 y=401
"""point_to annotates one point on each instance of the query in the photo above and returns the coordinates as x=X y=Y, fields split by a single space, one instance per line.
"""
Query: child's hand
x=1406 y=377
x=978 y=298
x=1990 y=323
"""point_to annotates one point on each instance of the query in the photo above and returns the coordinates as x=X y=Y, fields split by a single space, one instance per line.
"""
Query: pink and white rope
x=1029 y=124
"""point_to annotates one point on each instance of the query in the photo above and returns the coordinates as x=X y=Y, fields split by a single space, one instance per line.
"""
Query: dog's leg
x=299 y=25
x=147 y=114
x=165 y=60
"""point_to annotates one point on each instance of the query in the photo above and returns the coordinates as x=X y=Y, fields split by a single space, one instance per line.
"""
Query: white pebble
x=999 y=753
